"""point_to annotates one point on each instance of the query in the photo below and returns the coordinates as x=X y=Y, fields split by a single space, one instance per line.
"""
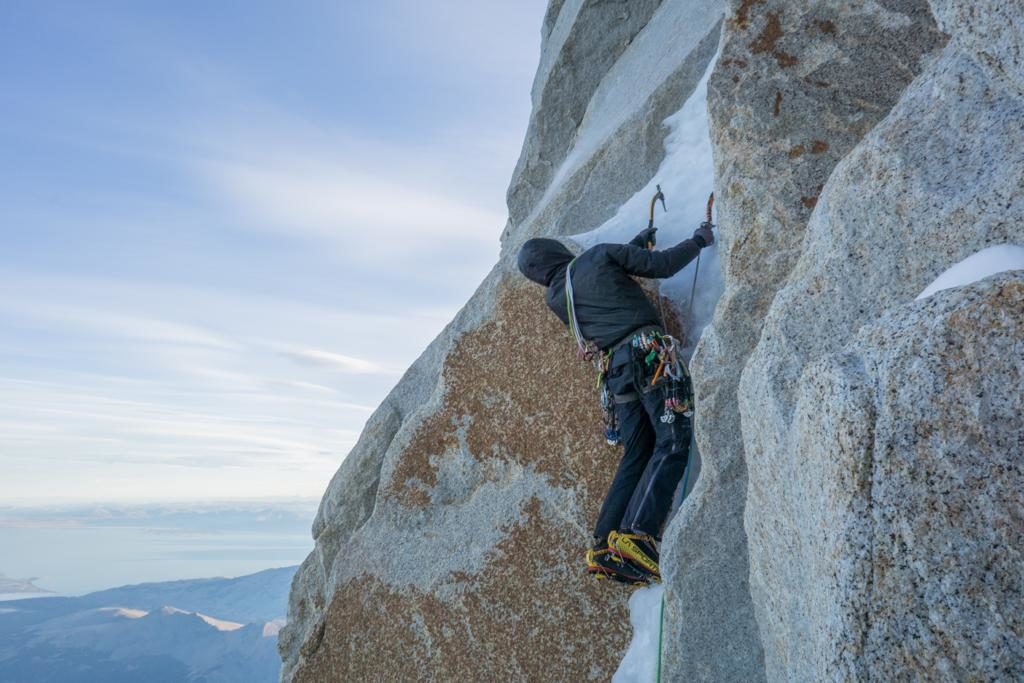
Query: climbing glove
x=703 y=235
x=646 y=239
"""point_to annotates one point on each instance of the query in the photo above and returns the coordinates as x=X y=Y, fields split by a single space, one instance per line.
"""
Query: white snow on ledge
x=640 y=664
x=977 y=266
x=685 y=174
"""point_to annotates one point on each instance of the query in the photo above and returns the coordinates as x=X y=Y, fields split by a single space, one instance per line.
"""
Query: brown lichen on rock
x=742 y=18
x=767 y=39
x=784 y=59
x=795 y=151
x=498 y=406
x=777 y=107
x=825 y=26
x=378 y=632
x=770 y=34
x=812 y=200
x=819 y=147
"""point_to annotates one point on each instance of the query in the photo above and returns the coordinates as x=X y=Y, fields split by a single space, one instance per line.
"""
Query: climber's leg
x=638 y=440
x=651 y=501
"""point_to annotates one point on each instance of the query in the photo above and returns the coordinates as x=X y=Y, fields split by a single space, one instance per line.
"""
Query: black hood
x=540 y=259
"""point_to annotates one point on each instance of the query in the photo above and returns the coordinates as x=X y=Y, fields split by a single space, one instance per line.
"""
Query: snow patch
x=272 y=628
x=168 y=610
x=686 y=176
x=220 y=624
x=124 y=612
x=977 y=266
x=640 y=664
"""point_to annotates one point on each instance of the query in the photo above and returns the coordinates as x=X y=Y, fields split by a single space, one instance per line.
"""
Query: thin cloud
x=234 y=239
x=335 y=361
x=115 y=324
x=362 y=212
x=307 y=386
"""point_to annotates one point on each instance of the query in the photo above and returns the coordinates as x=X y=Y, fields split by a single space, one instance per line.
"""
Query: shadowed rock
x=796 y=87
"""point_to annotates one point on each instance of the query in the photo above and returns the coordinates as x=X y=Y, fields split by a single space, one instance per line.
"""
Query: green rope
x=661 y=618
x=686 y=470
x=661 y=630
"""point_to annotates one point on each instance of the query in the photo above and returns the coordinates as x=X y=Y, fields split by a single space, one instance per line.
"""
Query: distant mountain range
x=210 y=630
x=14 y=588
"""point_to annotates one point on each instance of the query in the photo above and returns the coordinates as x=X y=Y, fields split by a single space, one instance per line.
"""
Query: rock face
x=796 y=86
x=883 y=438
x=860 y=508
x=909 y=477
x=449 y=544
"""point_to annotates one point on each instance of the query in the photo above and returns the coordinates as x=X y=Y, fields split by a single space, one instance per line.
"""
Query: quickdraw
x=611 y=423
x=659 y=357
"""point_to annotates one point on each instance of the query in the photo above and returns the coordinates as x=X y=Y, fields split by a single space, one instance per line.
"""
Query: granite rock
x=796 y=87
x=904 y=521
x=937 y=180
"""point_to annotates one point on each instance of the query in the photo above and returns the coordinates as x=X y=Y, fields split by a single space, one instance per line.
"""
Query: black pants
x=654 y=456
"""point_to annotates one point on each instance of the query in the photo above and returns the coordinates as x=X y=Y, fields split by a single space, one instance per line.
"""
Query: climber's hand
x=647 y=238
x=703 y=235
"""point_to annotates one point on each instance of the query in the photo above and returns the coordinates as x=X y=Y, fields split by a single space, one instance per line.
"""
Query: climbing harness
x=655 y=355
x=660 y=357
x=660 y=352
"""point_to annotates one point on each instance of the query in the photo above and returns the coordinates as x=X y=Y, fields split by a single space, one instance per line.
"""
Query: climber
x=608 y=311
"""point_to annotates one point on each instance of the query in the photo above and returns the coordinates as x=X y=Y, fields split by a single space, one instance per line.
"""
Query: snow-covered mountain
x=213 y=630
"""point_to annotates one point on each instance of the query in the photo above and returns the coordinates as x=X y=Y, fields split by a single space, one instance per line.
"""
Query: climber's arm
x=645 y=238
x=657 y=264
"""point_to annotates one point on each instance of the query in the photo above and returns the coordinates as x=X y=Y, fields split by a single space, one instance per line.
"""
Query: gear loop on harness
x=663 y=353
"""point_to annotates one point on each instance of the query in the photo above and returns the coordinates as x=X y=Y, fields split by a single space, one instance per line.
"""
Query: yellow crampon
x=627 y=546
x=612 y=567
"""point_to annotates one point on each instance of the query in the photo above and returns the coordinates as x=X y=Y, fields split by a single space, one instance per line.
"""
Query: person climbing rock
x=645 y=386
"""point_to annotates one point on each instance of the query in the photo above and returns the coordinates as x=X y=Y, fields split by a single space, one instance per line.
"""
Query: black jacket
x=609 y=303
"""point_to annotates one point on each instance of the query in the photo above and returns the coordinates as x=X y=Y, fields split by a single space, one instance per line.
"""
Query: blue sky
x=227 y=228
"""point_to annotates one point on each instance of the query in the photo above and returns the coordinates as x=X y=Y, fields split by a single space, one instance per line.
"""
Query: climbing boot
x=637 y=549
x=604 y=563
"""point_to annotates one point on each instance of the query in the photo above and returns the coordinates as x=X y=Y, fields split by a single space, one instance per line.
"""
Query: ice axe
x=654 y=200
x=696 y=268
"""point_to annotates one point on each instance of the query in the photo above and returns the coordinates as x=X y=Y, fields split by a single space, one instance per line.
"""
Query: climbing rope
x=661 y=630
x=584 y=350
